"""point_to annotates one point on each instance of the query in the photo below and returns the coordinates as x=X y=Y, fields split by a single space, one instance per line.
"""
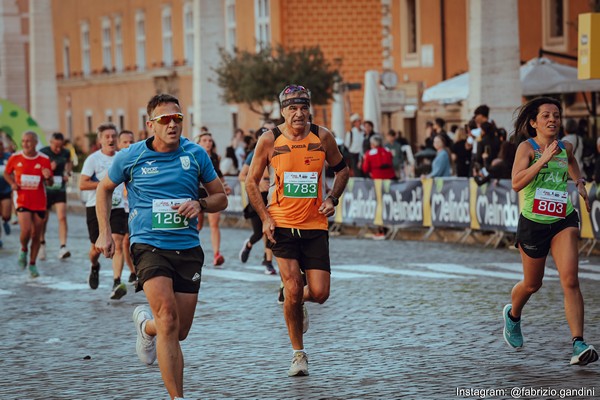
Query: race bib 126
x=165 y=217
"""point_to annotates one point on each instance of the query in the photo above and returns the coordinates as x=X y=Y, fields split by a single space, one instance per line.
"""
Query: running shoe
x=583 y=354
x=33 y=271
x=305 y=322
x=145 y=345
x=6 y=226
x=218 y=260
x=379 y=236
x=512 y=330
x=23 y=259
x=42 y=251
x=245 y=251
x=119 y=290
x=269 y=269
x=132 y=277
x=299 y=365
x=94 y=278
x=63 y=253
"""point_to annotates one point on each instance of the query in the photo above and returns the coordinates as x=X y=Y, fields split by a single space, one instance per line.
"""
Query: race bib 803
x=552 y=203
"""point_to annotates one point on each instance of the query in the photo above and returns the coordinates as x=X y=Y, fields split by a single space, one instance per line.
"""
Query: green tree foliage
x=256 y=79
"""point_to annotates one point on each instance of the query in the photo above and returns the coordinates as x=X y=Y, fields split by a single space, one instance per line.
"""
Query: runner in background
x=5 y=193
x=126 y=138
x=26 y=172
x=60 y=159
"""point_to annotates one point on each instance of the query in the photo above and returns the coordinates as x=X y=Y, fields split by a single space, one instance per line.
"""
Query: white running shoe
x=42 y=252
x=64 y=253
x=299 y=365
x=145 y=345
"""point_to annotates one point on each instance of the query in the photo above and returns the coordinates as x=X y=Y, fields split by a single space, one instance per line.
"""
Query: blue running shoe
x=23 y=259
x=512 y=330
x=583 y=354
x=33 y=271
x=6 y=226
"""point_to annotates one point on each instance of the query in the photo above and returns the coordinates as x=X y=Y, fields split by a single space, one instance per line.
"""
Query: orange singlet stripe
x=298 y=191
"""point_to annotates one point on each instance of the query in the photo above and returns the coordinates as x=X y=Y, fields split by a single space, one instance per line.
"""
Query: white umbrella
x=538 y=76
x=544 y=76
x=338 y=117
x=449 y=91
x=371 y=103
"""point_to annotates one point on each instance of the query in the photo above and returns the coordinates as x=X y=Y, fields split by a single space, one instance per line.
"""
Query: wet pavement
x=405 y=319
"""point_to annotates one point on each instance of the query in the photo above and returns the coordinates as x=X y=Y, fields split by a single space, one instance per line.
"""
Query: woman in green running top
x=548 y=221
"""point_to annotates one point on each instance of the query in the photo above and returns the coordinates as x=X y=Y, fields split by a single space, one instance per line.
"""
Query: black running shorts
x=55 y=196
x=41 y=214
x=535 y=238
x=309 y=246
x=118 y=222
x=184 y=267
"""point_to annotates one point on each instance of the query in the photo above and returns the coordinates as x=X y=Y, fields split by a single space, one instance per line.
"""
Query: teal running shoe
x=583 y=354
x=23 y=259
x=512 y=330
x=33 y=271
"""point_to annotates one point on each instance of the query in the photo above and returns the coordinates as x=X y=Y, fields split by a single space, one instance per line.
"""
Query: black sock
x=513 y=319
x=62 y=246
x=42 y=242
x=117 y=281
x=576 y=338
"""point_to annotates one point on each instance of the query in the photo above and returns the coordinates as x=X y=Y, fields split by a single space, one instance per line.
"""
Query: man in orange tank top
x=295 y=221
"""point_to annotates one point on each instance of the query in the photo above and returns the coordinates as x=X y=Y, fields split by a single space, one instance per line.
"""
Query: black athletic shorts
x=309 y=246
x=55 y=196
x=4 y=196
x=41 y=214
x=118 y=222
x=535 y=238
x=184 y=267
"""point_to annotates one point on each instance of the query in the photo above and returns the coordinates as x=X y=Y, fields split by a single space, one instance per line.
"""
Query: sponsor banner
x=495 y=206
x=402 y=203
x=449 y=203
x=593 y=228
x=359 y=202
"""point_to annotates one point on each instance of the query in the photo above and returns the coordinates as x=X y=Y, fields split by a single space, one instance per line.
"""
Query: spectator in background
x=500 y=167
x=396 y=149
x=482 y=114
x=572 y=137
x=461 y=153
x=429 y=134
x=440 y=167
x=368 y=132
x=438 y=130
x=378 y=162
x=589 y=148
x=488 y=146
x=597 y=164
x=353 y=143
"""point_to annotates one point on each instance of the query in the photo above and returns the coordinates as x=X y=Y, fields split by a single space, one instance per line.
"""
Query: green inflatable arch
x=14 y=121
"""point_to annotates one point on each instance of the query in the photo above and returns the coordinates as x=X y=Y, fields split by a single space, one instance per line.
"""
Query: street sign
x=392 y=100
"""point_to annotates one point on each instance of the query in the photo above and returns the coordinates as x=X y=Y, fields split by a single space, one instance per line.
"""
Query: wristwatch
x=334 y=200
x=203 y=205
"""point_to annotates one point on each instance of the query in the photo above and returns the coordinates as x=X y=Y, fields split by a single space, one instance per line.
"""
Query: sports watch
x=334 y=200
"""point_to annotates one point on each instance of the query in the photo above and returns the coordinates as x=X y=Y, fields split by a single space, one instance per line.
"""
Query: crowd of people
x=138 y=214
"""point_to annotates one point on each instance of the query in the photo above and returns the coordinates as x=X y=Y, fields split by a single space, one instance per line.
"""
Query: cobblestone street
x=414 y=320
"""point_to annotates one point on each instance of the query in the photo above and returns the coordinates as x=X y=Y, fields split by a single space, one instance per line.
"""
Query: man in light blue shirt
x=162 y=175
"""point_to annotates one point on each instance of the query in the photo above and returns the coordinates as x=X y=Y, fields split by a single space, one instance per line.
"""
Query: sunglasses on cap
x=294 y=88
x=165 y=119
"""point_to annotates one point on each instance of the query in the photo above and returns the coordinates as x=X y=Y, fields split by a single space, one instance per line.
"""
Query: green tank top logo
x=546 y=198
